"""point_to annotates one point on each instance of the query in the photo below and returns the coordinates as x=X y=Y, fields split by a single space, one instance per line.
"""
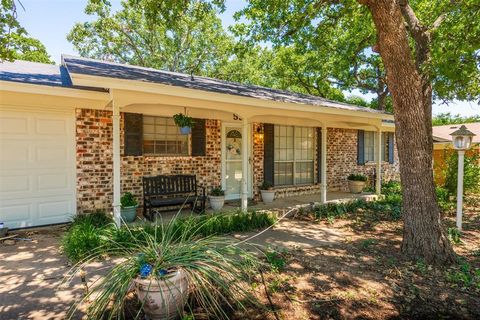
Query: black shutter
x=268 y=153
x=361 y=147
x=133 y=134
x=319 y=155
x=391 y=149
x=199 y=138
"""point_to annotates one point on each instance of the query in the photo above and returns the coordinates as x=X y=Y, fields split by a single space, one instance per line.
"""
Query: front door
x=232 y=141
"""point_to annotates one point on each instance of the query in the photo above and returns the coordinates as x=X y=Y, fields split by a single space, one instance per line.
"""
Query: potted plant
x=268 y=194
x=217 y=198
x=169 y=267
x=184 y=122
x=356 y=182
x=129 y=207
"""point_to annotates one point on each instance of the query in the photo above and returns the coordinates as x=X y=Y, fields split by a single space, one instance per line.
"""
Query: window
x=370 y=146
x=162 y=137
x=294 y=155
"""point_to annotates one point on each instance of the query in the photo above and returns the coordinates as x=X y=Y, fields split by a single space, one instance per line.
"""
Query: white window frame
x=374 y=147
x=294 y=161
x=189 y=149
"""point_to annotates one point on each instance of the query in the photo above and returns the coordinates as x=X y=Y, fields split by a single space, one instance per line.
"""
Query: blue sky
x=51 y=20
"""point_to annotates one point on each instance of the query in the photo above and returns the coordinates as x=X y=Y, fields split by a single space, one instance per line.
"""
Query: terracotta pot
x=217 y=202
x=267 y=195
x=356 y=186
x=164 y=299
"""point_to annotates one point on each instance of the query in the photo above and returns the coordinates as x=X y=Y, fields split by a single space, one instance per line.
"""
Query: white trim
x=323 y=167
x=378 y=184
x=116 y=163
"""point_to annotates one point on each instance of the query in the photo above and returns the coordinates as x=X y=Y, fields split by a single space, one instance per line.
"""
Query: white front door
x=232 y=141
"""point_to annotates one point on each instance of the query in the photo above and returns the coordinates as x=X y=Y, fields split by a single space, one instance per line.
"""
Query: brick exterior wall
x=94 y=162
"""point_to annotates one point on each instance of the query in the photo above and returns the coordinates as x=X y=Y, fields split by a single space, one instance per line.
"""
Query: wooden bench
x=172 y=191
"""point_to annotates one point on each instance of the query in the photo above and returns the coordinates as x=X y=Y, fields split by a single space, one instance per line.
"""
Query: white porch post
x=245 y=157
x=116 y=163
x=323 y=166
x=378 y=183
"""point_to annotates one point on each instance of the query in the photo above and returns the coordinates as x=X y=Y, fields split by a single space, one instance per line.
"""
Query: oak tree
x=427 y=49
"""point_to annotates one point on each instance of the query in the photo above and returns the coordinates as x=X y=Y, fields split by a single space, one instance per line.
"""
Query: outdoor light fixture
x=259 y=133
x=462 y=140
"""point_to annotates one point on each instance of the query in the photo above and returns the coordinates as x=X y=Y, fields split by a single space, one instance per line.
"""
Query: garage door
x=37 y=167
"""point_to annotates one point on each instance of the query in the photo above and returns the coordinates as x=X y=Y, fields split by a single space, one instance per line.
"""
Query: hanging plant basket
x=185 y=130
x=184 y=122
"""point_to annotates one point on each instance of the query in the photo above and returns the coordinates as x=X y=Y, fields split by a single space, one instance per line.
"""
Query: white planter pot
x=163 y=298
x=356 y=186
x=217 y=202
x=267 y=195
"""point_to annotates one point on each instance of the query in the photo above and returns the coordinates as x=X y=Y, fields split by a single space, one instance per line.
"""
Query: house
x=74 y=137
x=443 y=149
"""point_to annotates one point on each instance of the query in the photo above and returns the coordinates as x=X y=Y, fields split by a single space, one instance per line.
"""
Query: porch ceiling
x=232 y=111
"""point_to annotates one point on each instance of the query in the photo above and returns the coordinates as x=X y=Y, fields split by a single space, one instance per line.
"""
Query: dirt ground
x=349 y=269
x=357 y=272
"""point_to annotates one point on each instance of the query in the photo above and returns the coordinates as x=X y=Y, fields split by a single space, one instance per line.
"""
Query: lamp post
x=462 y=140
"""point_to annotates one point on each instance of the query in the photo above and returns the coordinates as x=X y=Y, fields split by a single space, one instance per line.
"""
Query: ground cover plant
x=93 y=233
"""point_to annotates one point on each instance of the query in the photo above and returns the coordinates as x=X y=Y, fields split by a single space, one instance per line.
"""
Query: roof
x=91 y=67
x=442 y=133
x=39 y=74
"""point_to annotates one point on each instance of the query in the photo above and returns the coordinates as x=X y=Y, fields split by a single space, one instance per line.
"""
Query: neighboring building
x=72 y=137
x=443 y=148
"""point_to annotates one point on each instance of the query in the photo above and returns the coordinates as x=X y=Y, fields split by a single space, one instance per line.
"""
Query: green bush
x=357 y=177
x=85 y=235
x=90 y=234
x=471 y=178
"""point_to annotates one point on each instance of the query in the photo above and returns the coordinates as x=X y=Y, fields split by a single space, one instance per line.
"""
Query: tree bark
x=423 y=235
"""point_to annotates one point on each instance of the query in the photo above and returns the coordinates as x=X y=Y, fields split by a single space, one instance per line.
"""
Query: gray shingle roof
x=99 y=68
x=38 y=73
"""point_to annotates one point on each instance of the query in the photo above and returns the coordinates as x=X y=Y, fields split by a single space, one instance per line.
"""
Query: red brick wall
x=94 y=162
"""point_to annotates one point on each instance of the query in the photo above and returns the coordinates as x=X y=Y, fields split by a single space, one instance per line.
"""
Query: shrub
x=217 y=192
x=391 y=187
x=357 y=177
x=471 y=178
x=85 y=235
x=266 y=185
x=88 y=235
x=128 y=200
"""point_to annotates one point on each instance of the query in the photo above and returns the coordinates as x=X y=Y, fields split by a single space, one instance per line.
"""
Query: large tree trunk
x=423 y=235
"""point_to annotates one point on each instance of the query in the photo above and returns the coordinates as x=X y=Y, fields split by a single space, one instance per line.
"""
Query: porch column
x=323 y=166
x=378 y=183
x=116 y=163
x=246 y=137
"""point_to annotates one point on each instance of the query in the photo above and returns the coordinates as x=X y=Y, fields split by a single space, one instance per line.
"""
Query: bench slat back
x=167 y=185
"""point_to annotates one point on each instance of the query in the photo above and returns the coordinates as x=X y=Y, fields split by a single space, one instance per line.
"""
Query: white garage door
x=37 y=167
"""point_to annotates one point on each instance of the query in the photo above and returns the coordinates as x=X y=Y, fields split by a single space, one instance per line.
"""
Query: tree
x=14 y=41
x=181 y=36
x=448 y=118
x=427 y=49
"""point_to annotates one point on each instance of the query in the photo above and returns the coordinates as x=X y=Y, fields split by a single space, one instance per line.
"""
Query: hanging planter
x=184 y=122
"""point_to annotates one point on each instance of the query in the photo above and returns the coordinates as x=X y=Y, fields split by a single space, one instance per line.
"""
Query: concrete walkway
x=31 y=272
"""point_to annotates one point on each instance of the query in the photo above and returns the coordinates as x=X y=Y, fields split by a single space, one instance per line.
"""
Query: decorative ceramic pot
x=185 y=130
x=129 y=213
x=163 y=298
x=356 y=186
x=216 y=202
x=268 y=195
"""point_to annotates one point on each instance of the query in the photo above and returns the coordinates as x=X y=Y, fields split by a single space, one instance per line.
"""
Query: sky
x=51 y=20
